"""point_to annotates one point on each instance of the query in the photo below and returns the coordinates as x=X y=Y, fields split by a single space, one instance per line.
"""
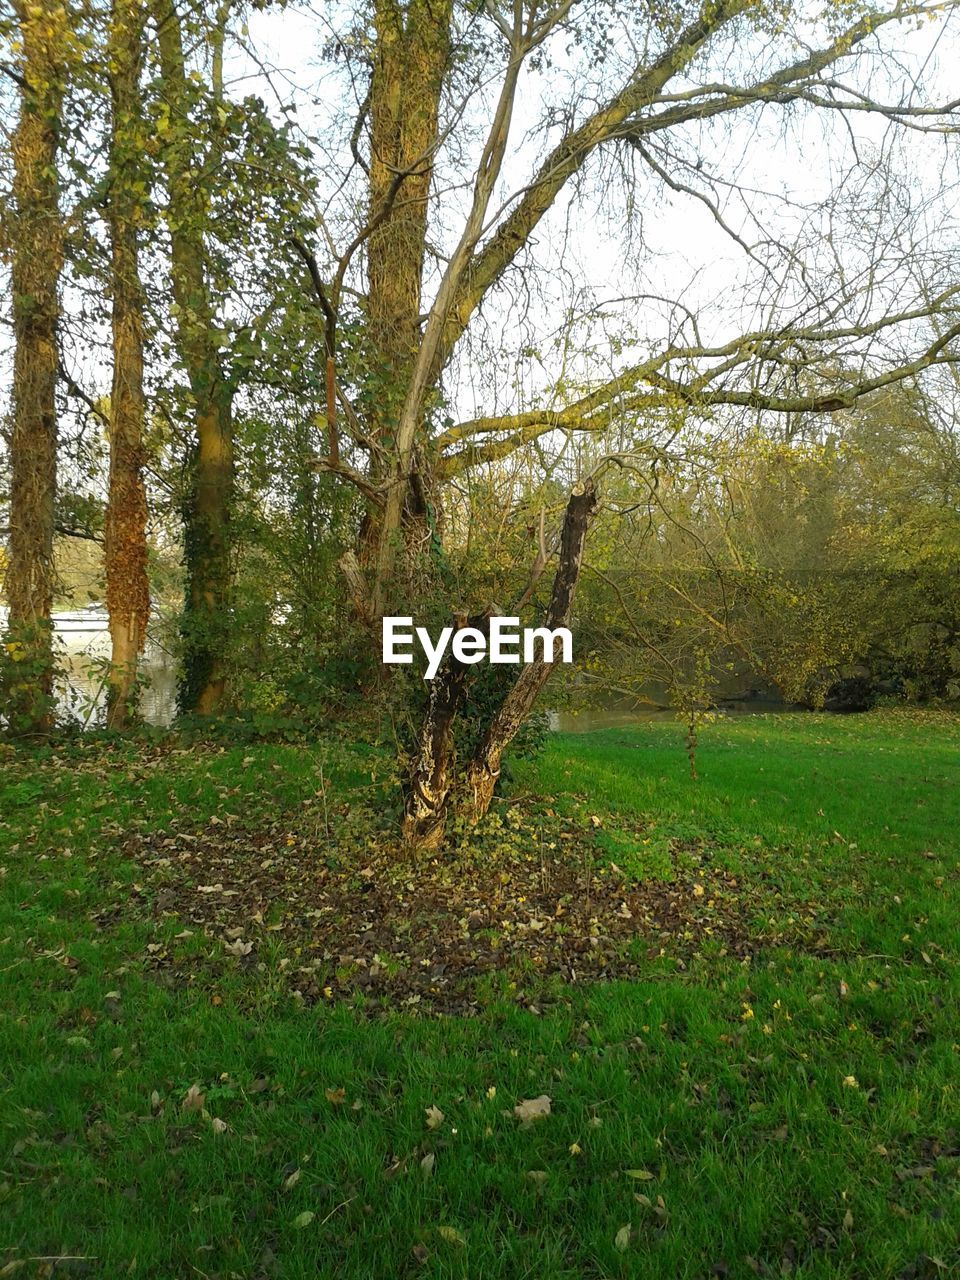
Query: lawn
x=230 y=1045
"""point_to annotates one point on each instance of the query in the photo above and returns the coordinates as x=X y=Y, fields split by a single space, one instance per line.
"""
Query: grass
x=795 y=1114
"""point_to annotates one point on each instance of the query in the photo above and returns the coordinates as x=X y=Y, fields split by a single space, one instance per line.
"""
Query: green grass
x=794 y=1115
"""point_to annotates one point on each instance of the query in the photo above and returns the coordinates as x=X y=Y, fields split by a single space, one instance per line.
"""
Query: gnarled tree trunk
x=37 y=258
x=128 y=590
x=484 y=769
x=431 y=770
x=432 y=787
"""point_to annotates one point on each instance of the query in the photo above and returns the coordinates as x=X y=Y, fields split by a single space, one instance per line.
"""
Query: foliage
x=24 y=667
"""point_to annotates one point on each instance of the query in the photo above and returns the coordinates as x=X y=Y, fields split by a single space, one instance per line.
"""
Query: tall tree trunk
x=484 y=769
x=128 y=590
x=412 y=50
x=37 y=259
x=209 y=498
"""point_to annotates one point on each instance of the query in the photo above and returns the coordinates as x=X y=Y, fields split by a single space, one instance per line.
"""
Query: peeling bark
x=431 y=772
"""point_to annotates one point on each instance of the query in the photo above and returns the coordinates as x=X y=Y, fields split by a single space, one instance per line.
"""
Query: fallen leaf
x=291 y=1180
x=451 y=1235
x=336 y=1096
x=218 y=1125
x=427 y=1163
x=622 y=1238
x=193 y=1099
x=434 y=1117
x=532 y=1109
x=303 y=1219
x=642 y=1175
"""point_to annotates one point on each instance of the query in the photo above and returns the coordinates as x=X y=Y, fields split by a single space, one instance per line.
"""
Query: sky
x=597 y=250
x=790 y=162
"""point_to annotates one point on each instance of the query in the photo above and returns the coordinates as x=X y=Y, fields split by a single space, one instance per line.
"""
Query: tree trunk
x=37 y=258
x=431 y=770
x=208 y=560
x=412 y=52
x=128 y=590
x=208 y=501
x=484 y=769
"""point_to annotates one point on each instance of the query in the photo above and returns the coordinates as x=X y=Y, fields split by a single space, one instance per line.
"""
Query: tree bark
x=128 y=590
x=484 y=769
x=37 y=259
x=208 y=500
x=411 y=58
x=431 y=771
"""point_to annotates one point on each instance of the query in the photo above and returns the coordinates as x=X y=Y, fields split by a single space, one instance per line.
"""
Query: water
x=82 y=643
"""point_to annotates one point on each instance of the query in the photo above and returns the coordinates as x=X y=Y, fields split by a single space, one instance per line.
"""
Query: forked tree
x=451 y=221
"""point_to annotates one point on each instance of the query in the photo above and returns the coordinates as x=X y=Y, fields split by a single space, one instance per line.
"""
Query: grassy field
x=774 y=1092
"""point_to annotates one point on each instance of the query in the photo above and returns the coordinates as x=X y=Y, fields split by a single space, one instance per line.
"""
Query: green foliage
x=26 y=666
x=485 y=693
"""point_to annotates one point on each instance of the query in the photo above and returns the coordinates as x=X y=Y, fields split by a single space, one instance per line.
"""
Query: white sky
x=682 y=252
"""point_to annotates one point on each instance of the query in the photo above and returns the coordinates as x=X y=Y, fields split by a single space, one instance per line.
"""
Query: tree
x=423 y=71
x=36 y=250
x=128 y=590
x=208 y=501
